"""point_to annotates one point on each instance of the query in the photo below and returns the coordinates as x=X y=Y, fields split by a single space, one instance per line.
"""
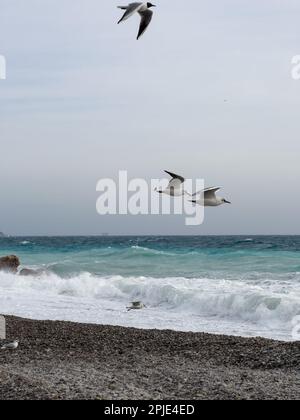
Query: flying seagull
x=143 y=9
x=136 y=306
x=11 y=346
x=174 y=189
x=208 y=198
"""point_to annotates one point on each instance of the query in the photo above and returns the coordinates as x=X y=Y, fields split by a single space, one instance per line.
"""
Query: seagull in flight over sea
x=143 y=9
x=208 y=198
x=11 y=346
x=175 y=187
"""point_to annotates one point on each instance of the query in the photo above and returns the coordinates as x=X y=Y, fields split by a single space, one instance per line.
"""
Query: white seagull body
x=143 y=9
x=208 y=198
x=175 y=187
x=10 y=346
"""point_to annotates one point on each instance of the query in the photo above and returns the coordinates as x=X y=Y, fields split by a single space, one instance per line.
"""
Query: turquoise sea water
x=212 y=257
x=236 y=285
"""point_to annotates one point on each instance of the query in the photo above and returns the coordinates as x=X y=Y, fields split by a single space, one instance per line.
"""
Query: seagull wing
x=175 y=177
x=174 y=184
x=176 y=181
x=207 y=193
x=210 y=192
x=130 y=10
x=146 y=18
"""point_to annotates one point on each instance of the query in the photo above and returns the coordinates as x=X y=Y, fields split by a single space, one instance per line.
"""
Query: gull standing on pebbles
x=143 y=9
x=208 y=198
x=11 y=346
x=175 y=187
x=136 y=306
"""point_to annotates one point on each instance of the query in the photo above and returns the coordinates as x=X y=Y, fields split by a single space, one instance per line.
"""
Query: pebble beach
x=62 y=360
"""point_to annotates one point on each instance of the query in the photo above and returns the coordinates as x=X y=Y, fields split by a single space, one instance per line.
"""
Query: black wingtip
x=175 y=176
x=171 y=174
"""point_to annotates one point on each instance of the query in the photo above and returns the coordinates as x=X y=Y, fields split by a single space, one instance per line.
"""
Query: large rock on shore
x=9 y=263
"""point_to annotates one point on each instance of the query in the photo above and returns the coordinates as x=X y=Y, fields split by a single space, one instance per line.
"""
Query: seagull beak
x=227 y=202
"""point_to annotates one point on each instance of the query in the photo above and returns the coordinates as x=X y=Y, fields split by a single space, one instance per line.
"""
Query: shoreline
x=64 y=360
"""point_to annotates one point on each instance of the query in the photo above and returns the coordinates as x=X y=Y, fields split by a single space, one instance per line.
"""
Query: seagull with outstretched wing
x=208 y=198
x=175 y=187
x=145 y=12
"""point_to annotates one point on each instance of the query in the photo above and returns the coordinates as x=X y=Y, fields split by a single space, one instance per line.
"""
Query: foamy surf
x=235 y=307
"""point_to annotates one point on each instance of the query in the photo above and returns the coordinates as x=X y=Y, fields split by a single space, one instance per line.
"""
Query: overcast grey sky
x=83 y=99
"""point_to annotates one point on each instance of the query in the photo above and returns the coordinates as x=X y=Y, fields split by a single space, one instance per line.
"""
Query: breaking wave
x=270 y=304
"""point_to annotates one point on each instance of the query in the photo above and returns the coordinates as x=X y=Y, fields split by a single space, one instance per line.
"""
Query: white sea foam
x=265 y=308
x=151 y=251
